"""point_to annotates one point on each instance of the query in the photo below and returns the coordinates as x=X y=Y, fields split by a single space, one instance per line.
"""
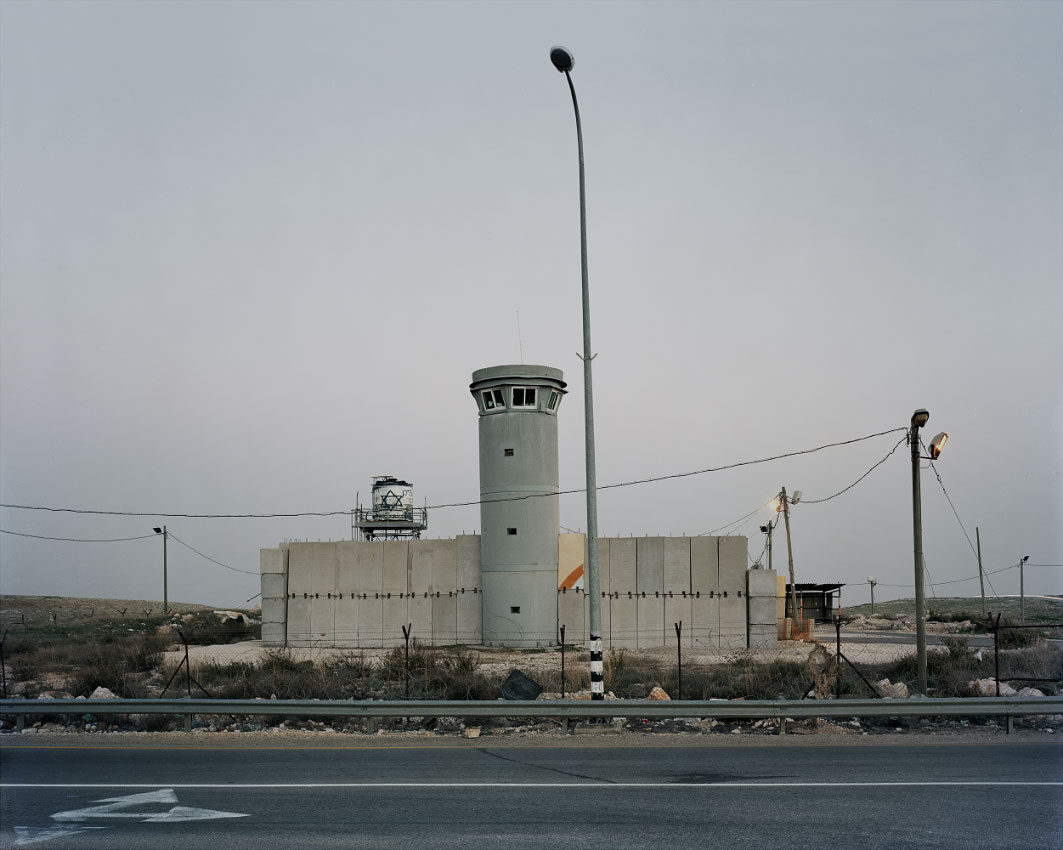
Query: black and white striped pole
x=562 y=60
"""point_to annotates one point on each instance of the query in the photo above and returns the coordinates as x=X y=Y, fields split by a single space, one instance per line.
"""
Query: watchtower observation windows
x=493 y=399
x=524 y=397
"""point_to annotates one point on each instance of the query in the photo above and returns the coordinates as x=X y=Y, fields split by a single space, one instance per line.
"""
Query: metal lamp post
x=784 y=505
x=165 y=600
x=768 y=529
x=872 y=582
x=1022 y=590
x=563 y=60
x=919 y=419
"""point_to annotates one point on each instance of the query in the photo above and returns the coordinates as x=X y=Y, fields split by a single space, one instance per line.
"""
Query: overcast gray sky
x=252 y=253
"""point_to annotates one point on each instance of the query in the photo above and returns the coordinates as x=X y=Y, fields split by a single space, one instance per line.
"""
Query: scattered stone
x=234 y=616
x=103 y=693
x=890 y=690
x=988 y=688
x=659 y=693
x=1030 y=692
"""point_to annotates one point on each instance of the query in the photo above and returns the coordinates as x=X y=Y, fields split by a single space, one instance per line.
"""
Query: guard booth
x=815 y=601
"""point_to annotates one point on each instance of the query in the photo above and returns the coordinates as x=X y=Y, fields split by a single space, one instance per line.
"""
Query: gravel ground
x=634 y=734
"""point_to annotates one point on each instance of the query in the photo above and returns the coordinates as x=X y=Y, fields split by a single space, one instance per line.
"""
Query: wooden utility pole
x=981 y=577
x=796 y=618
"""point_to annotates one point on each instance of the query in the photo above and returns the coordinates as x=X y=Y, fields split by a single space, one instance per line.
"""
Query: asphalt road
x=588 y=793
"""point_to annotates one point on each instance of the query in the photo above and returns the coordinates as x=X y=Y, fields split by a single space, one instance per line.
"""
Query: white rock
x=890 y=690
x=103 y=693
x=1030 y=692
x=988 y=688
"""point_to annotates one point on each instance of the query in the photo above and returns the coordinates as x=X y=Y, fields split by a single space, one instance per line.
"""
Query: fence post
x=3 y=668
x=188 y=675
x=996 y=653
x=838 y=659
x=562 y=662
x=679 y=656
x=406 y=630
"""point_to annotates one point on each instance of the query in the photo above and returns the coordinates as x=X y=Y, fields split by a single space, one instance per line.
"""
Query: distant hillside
x=1038 y=609
x=78 y=611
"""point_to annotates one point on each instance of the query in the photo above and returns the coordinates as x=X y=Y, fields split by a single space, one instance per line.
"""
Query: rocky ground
x=225 y=729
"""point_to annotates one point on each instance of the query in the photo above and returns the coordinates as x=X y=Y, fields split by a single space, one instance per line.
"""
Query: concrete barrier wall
x=354 y=593
x=677 y=603
x=470 y=592
x=762 y=625
x=623 y=609
x=733 y=565
x=362 y=593
x=273 y=566
x=300 y=594
x=705 y=586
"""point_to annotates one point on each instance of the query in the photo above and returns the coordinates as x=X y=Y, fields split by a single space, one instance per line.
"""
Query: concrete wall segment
x=272 y=561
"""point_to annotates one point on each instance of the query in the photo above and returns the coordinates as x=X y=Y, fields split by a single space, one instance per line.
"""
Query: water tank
x=392 y=499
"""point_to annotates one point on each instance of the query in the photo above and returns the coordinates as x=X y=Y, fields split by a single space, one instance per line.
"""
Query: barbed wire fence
x=196 y=653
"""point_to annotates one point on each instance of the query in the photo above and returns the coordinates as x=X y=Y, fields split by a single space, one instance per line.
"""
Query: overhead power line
x=941 y=484
x=738 y=522
x=959 y=580
x=219 y=563
x=858 y=480
x=670 y=477
x=77 y=539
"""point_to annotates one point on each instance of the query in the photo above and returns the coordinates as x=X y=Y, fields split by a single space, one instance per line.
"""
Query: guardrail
x=780 y=710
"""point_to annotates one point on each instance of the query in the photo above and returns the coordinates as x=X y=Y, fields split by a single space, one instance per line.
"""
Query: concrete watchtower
x=519 y=505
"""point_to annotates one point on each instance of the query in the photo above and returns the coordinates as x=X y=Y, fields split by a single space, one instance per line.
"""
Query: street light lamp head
x=796 y=497
x=763 y=529
x=920 y=418
x=937 y=444
x=157 y=530
x=562 y=59
x=1025 y=558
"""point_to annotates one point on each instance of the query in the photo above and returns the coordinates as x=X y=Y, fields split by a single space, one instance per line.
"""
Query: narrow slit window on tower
x=509 y=452
x=552 y=404
x=514 y=609
x=512 y=531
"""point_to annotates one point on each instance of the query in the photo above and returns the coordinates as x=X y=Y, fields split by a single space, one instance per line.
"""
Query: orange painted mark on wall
x=572 y=578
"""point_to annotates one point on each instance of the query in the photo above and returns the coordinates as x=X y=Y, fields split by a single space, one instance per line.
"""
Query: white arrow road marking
x=33 y=834
x=114 y=805
x=185 y=813
x=69 y=822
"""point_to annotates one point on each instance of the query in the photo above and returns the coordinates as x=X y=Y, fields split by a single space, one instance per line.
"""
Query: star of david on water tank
x=390 y=500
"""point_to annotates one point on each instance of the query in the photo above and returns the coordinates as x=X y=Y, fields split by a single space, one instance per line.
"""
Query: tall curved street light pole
x=919 y=419
x=563 y=60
